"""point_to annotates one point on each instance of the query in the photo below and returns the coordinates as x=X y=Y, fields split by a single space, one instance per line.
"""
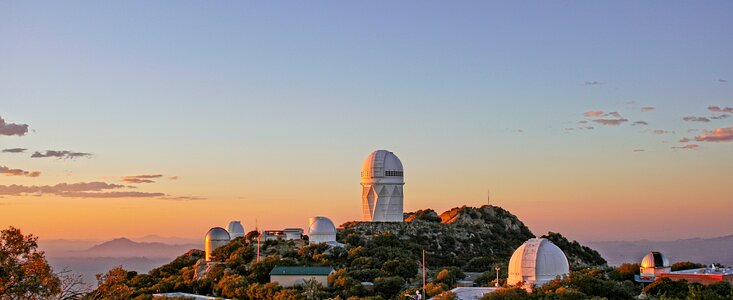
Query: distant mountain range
x=699 y=250
x=90 y=257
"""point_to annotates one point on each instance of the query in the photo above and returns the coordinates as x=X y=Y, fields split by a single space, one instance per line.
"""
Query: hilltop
x=469 y=237
x=386 y=254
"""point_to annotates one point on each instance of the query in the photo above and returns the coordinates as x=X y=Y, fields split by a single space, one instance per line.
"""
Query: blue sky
x=239 y=98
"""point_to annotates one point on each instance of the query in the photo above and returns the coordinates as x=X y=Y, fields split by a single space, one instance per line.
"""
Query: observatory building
x=652 y=266
x=382 y=180
x=215 y=238
x=321 y=230
x=536 y=262
x=235 y=229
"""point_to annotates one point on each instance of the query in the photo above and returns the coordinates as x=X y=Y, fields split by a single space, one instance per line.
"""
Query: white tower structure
x=235 y=229
x=321 y=230
x=215 y=238
x=382 y=181
x=536 y=262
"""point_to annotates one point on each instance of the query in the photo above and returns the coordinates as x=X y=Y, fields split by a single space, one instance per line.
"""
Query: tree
x=72 y=286
x=24 y=271
x=686 y=265
x=113 y=285
x=507 y=294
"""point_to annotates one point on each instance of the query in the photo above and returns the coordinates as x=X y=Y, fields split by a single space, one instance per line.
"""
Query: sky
x=603 y=120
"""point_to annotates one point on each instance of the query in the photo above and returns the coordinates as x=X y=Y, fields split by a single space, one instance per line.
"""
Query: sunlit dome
x=654 y=260
x=382 y=163
x=536 y=262
x=321 y=230
x=215 y=238
x=235 y=229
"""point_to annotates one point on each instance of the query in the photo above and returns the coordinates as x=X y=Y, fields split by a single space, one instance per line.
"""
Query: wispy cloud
x=717 y=135
x=173 y=177
x=721 y=116
x=592 y=83
x=715 y=108
x=594 y=113
x=647 y=108
x=688 y=147
x=611 y=122
x=638 y=150
x=14 y=150
x=685 y=140
x=141 y=178
x=662 y=131
x=76 y=190
x=18 y=172
x=12 y=128
x=639 y=123
x=182 y=198
x=62 y=154
x=722 y=80
x=695 y=119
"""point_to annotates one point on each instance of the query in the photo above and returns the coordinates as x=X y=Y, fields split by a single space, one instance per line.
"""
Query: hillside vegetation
x=387 y=254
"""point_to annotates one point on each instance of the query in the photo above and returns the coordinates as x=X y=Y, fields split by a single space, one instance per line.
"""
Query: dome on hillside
x=536 y=262
x=654 y=260
x=235 y=229
x=215 y=238
x=321 y=230
x=382 y=163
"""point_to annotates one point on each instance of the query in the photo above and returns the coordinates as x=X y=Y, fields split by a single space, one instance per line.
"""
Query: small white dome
x=215 y=238
x=321 y=230
x=537 y=261
x=235 y=229
x=654 y=260
x=382 y=163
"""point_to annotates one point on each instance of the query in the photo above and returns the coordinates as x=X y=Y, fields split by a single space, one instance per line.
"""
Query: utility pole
x=488 y=197
x=259 y=234
x=497 y=277
x=423 y=274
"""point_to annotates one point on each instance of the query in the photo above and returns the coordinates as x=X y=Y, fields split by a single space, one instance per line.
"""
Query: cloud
x=717 y=135
x=18 y=172
x=61 y=154
x=582 y=121
x=638 y=150
x=12 y=128
x=594 y=113
x=688 y=147
x=685 y=140
x=14 y=150
x=662 y=131
x=722 y=80
x=182 y=198
x=613 y=114
x=639 y=123
x=111 y=195
x=592 y=83
x=76 y=190
x=647 y=108
x=715 y=108
x=173 y=178
x=141 y=178
x=722 y=116
x=695 y=119
x=611 y=122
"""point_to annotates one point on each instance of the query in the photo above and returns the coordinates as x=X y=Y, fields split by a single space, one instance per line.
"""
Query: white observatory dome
x=654 y=260
x=536 y=262
x=382 y=180
x=321 y=230
x=654 y=264
x=235 y=229
x=215 y=238
x=382 y=164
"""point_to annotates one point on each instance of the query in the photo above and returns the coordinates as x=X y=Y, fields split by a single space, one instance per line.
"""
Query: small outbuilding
x=297 y=275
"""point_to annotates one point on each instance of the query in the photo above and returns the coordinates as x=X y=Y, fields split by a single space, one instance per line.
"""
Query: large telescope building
x=382 y=181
